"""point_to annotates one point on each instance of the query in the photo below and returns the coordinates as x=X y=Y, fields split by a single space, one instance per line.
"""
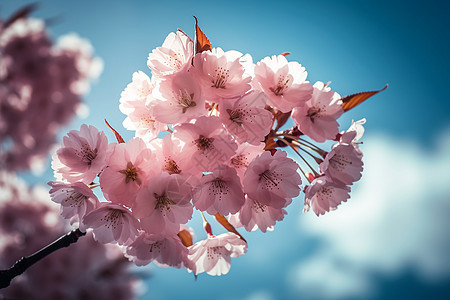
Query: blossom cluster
x=88 y=270
x=206 y=138
x=41 y=84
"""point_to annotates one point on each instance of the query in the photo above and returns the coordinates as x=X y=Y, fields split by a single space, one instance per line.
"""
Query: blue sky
x=358 y=45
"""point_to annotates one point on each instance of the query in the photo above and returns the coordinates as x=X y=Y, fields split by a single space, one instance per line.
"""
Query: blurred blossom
x=41 y=85
x=85 y=270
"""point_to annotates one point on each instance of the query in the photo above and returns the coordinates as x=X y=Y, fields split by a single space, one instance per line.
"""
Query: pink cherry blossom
x=245 y=154
x=254 y=215
x=112 y=223
x=246 y=119
x=76 y=199
x=129 y=167
x=178 y=99
x=317 y=118
x=222 y=74
x=324 y=195
x=164 y=203
x=343 y=164
x=136 y=92
x=219 y=192
x=206 y=143
x=164 y=250
x=353 y=135
x=213 y=255
x=174 y=55
x=142 y=120
x=82 y=155
x=171 y=158
x=283 y=82
x=273 y=180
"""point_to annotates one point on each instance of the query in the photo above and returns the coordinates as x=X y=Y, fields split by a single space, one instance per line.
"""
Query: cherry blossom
x=171 y=158
x=164 y=203
x=273 y=180
x=254 y=215
x=213 y=255
x=76 y=199
x=246 y=119
x=317 y=118
x=206 y=143
x=343 y=164
x=324 y=195
x=283 y=82
x=245 y=153
x=142 y=120
x=129 y=166
x=174 y=55
x=136 y=92
x=164 y=250
x=222 y=74
x=82 y=155
x=353 y=135
x=178 y=99
x=209 y=128
x=219 y=192
x=112 y=223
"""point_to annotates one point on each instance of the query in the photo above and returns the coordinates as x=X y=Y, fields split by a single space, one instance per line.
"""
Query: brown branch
x=25 y=262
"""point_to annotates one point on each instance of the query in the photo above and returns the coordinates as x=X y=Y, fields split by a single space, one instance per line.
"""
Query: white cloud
x=398 y=216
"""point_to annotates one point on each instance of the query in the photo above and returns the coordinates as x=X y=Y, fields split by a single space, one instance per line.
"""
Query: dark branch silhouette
x=25 y=262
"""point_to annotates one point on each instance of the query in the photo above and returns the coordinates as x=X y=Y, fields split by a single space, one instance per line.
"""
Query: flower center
x=113 y=218
x=282 y=85
x=270 y=178
x=220 y=78
x=314 y=112
x=185 y=100
x=156 y=246
x=172 y=167
x=163 y=202
x=204 y=143
x=76 y=199
x=175 y=61
x=87 y=154
x=130 y=173
x=239 y=161
x=236 y=116
x=218 y=187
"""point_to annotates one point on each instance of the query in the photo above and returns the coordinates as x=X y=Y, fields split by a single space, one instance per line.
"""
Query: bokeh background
x=392 y=239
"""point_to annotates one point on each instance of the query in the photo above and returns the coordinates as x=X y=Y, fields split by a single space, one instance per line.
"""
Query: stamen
x=130 y=173
x=220 y=78
x=282 y=85
x=87 y=154
x=236 y=116
x=185 y=100
x=163 y=202
x=204 y=143
x=172 y=167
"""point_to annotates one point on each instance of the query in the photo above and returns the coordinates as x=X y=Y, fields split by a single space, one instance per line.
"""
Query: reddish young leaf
x=201 y=41
x=285 y=54
x=185 y=237
x=118 y=137
x=281 y=118
x=224 y=222
x=21 y=13
x=350 y=101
